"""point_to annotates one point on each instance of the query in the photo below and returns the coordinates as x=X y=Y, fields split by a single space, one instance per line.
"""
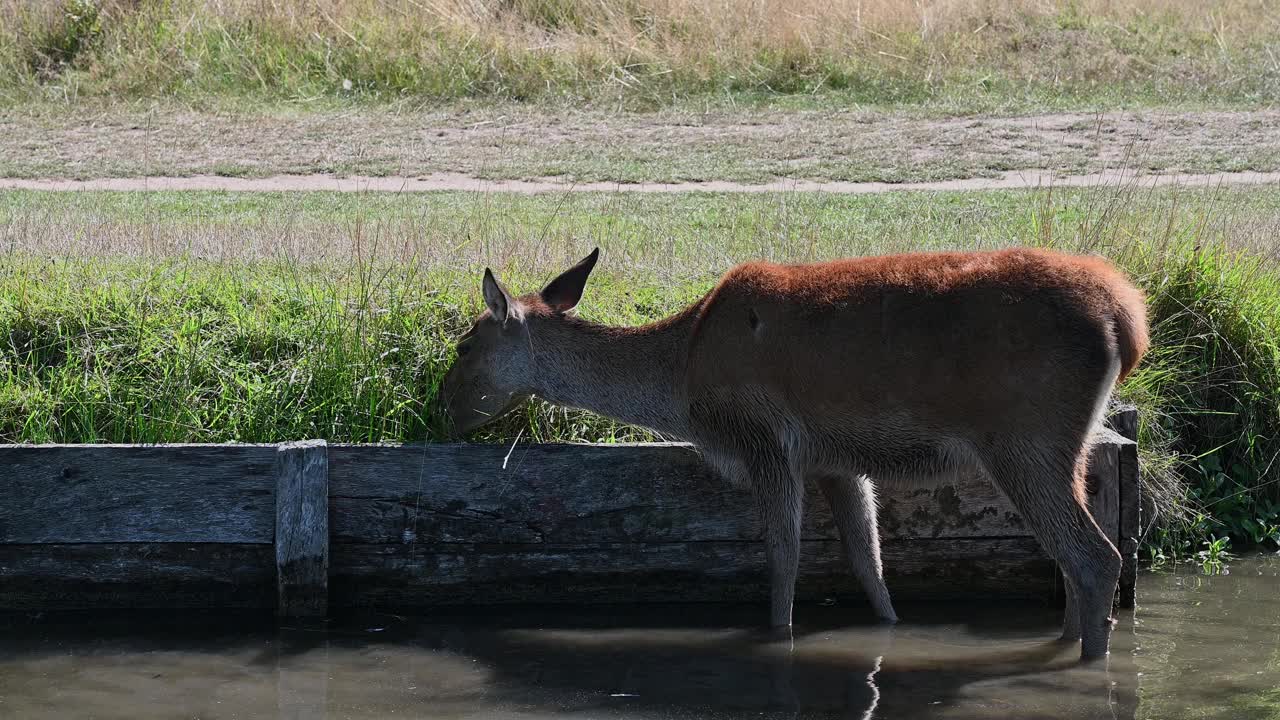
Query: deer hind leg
x=1040 y=480
x=779 y=495
x=853 y=506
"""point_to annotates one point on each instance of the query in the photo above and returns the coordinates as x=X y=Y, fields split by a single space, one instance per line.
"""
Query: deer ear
x=496 y=297
x=563 y=293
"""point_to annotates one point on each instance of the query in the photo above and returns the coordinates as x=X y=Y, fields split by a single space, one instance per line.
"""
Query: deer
x=854 y=374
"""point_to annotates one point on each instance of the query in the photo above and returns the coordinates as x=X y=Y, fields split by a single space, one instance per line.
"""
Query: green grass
x=632 y=53
x=182 y=317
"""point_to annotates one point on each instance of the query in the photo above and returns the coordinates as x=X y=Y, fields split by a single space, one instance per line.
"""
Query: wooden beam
x=590 y=494
x=1130 y=528
x=1113 y=493
x=393 y=576
x=136 y=493
x=1102 y=483
x=442 y=523
x=302 y=529
x=1123 y=418
x=136 y=575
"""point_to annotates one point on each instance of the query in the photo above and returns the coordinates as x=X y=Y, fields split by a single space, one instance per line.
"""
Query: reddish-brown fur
x=852 y=374
x=1016 y=270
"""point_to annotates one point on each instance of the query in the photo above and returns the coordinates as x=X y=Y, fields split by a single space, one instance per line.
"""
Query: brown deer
x=853 y=373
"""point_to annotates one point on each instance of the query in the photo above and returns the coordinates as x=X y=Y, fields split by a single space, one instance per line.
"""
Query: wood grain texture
x=1123 y=418
x=136 y=575
x=403 y=576
x=601 y=493
x=1102 y=488
x=136 y=493
x=88 y=526
x=605 y=493
x=302 y=529
x=1130 y=524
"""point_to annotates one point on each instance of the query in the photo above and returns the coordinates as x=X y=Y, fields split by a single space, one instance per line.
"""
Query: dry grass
x=959 y=52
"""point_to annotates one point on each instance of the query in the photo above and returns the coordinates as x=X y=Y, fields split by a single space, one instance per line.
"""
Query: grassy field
x=948 y=57
x=146 y=317
x=142 y=317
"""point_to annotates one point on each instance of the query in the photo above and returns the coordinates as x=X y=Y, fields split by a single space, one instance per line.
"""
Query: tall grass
x=959 y=54
x=165 y=317
x=102 y=351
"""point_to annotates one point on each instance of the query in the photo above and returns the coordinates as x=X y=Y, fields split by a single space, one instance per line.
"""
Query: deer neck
x=632 y=374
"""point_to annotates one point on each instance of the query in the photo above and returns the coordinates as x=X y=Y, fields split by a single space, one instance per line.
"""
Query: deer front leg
x=779 y=495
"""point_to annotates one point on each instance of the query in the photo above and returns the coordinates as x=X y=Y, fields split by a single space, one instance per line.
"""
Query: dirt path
x=446 y=181
x=751 y=147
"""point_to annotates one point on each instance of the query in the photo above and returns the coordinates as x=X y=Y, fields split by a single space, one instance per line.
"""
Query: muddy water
x=1198 y=647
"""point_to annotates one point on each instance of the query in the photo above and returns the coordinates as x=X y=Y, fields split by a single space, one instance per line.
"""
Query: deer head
x=496 y=368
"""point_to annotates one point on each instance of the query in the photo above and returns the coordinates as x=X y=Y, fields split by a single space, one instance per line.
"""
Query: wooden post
x=1102 y=483
x=1108 y=483
x=1130 y=523
x=1123 y=418
x=302 y=528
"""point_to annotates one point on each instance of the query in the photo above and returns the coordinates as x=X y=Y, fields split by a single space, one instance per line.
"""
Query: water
x=1199 y=647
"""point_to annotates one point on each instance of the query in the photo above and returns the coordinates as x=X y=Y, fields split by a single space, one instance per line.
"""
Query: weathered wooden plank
x=137 y=493
x=405 y=576
x=600 y=493
x=136 y=575
x=447 y=523
x=1102 y=486
x=1130 y=523
x=973 y=507
x=1123 y=418
x=462 y=493
x=98 y=576
x=302 y=528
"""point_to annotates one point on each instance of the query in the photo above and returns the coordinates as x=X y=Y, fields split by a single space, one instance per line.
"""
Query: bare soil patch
x=663 y=148
x=1017 y=179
